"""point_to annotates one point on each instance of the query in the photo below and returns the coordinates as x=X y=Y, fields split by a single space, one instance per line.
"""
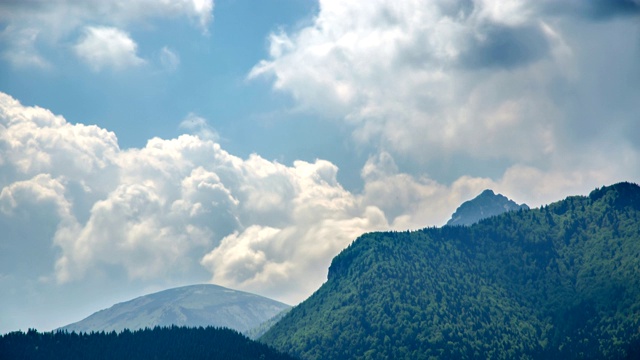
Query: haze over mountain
x=191 y=306
x=485 y=205
x=556 y=282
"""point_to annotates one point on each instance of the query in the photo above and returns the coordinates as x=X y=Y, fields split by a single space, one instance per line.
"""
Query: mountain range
x=558 y=282
x=211 y=305
x=190 y=306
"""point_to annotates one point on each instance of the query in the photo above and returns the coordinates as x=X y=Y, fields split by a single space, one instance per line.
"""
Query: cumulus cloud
x=477 y=81
x=30 y=26
x=178 y=208
x=35 y=141
x=107 y=47
x=185 y=210
x=23 y=204
x=172 y=209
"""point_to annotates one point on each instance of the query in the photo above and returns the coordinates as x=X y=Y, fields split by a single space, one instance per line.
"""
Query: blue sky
x=209 y=81
x=151 y=99
x=149 y=144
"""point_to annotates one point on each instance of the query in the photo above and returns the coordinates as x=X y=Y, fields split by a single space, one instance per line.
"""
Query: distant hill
x=485 y=205
x=158 y=343
x=559 y=282
x=192 y=306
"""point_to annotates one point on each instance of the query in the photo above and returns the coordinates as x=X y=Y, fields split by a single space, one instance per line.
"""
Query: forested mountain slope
x=558 y=282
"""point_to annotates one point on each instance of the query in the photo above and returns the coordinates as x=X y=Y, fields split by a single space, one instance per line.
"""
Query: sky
x=150 y=144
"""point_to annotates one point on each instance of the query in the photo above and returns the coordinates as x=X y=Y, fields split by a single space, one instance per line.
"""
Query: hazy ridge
x=190 y=306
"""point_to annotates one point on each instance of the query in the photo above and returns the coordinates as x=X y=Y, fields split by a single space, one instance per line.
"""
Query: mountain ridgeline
x=558 y=282
x=192 y=306
x=485 y=205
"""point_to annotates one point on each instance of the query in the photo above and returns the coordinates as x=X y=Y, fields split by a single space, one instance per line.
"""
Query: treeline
x=560 y=282
x=157 y=343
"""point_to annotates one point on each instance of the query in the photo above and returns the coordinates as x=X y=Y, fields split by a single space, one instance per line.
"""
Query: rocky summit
x=485 y=205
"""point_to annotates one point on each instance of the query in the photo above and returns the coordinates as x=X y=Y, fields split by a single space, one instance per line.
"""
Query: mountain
x=559 y=282
x=258 y=331
x=192 y=306
x=157 y=343
x=485 y=205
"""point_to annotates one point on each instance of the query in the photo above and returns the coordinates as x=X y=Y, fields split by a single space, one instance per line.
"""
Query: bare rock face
x=191 y=306
x=485 y=205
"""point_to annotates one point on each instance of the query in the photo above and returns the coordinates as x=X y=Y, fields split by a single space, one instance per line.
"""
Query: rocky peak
x=485 y=205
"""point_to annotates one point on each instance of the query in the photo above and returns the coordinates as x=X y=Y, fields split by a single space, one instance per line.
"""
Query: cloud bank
x=180 y=207
x=82 y=209
x=446 y=84
x=170 y=209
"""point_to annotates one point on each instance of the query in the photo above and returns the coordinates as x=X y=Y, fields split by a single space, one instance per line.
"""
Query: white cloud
x=40 y=189
x=31 y=211
x=482 y=81
x=166 y=210
x=291 y=262
x=64 y=15
x=35 y=141
x=107 y=47
x=414 y=202
x=34 y=25
x=401 y=73
x=22 y=49
x=511 y=13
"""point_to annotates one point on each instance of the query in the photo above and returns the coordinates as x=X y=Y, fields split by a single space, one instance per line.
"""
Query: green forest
x=558 y=282
x=157 y=343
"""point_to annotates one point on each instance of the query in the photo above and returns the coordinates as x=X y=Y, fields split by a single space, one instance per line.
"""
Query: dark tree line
x=156 y=343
